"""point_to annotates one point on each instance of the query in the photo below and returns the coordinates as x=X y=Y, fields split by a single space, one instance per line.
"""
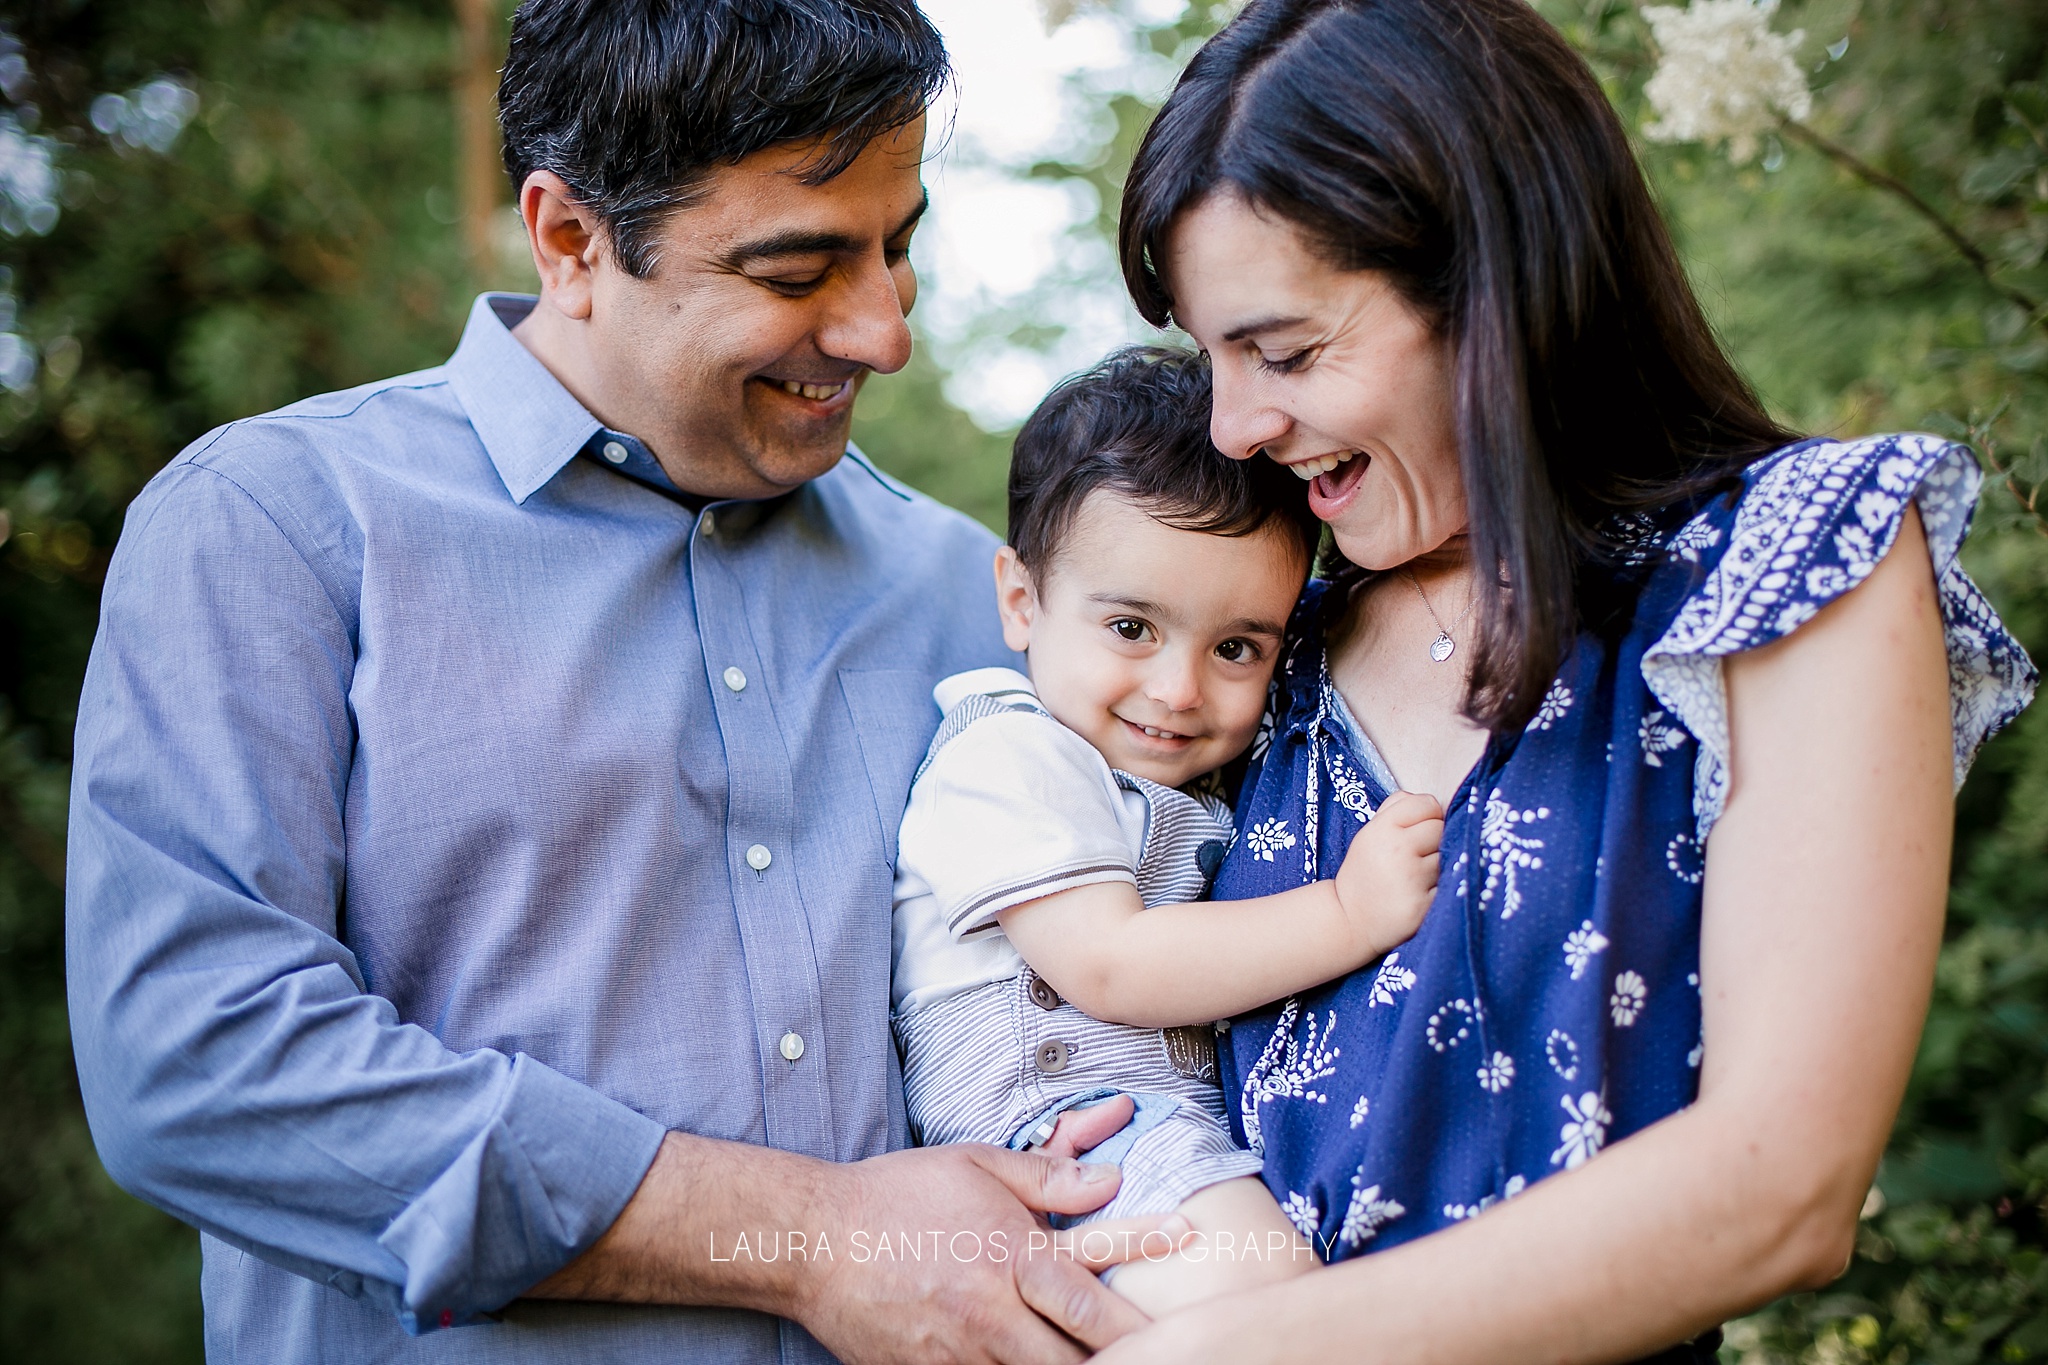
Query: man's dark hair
x=633 y=103
x=1137 y=425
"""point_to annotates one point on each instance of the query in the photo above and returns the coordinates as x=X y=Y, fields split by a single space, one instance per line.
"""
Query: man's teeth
x=1322 y=464
x=819 y=391
x=1159 y=734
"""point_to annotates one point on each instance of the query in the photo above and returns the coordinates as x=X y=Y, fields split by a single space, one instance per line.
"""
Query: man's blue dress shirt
x=456 y=808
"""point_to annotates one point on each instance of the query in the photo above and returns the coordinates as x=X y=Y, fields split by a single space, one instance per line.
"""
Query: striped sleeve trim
x=982 y=909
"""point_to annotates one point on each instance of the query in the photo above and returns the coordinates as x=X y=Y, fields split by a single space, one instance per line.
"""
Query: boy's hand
x=1389 y=874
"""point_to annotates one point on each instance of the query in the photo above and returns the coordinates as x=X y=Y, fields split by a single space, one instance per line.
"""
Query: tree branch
x=1871 y=175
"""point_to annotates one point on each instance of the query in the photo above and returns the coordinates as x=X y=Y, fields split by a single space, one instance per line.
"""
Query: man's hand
x=1388 y=877
x=994 y=1284
x=934 y=1254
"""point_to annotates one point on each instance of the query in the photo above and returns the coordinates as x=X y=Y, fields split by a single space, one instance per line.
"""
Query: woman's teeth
x=1322 y=464
x=817 y=391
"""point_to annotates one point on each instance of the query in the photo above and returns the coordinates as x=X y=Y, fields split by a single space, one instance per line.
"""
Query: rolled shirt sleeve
x=236 y=1068
x=1016 y=807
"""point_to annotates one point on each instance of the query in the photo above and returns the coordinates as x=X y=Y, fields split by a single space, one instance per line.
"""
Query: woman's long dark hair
x=1464 y=149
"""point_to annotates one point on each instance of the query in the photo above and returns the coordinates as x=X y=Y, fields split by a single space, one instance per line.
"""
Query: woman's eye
x=1128 y=629
x=1237 y=651
x=1286 y=364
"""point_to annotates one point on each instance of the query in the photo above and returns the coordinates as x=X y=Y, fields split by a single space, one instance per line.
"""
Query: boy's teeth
x=812 y=390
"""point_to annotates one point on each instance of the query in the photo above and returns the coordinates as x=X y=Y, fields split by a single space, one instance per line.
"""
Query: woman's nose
x=1241 y=423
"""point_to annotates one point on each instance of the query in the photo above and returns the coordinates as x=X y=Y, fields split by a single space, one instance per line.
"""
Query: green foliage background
x=300 y=236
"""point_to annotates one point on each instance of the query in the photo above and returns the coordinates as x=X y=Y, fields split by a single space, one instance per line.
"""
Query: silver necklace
x=1443 y=646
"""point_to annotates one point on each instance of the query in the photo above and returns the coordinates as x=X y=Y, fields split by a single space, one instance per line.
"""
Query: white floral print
x=1686 y=858
x=1302 y=1212
x=1268 y=837
x=1630 y=994
x=1360 y=1110
x=1451 y=1025
x=1563 y=1054
x=1391 y=980
x=1498 y=1073
x=1458 y=1213
x=1347 y=784
x=1287 y=1067
x=1585 y=1133
x=1580 y=947
x=1508 y=852
x=1556 y=702
x=1657 y=738
x=1368 y=1213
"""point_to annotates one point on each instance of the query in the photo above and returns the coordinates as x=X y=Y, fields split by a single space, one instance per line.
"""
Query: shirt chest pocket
x=893 y=719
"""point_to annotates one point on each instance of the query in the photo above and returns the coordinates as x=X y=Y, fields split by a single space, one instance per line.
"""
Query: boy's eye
x=1237 y=651
x=1128 y=628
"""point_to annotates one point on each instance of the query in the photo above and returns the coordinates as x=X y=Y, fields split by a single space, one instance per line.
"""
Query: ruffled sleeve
x=1812 y=523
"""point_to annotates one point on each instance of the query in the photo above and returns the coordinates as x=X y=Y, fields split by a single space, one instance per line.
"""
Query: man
x=487 y=780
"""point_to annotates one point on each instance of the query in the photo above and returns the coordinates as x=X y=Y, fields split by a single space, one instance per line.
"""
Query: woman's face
x=1326 y=371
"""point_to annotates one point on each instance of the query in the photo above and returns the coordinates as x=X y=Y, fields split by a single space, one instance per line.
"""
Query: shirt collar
x=530 y=425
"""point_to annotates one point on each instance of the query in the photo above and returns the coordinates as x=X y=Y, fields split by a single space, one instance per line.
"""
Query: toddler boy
x=1052 y=946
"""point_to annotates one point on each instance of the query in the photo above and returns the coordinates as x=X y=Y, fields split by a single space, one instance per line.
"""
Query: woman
x=1694 y=693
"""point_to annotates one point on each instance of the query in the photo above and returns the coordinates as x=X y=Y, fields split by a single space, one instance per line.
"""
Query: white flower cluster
x=1723 y=74
x=151 y=115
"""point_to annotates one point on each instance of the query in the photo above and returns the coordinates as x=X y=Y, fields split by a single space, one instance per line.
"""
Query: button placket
x=765 y=872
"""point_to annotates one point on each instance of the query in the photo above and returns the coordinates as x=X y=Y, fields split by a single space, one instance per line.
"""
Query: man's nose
x=868 y=323
x=1241 y=421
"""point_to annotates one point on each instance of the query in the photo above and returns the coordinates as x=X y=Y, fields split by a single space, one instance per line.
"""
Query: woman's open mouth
x=1333 y=485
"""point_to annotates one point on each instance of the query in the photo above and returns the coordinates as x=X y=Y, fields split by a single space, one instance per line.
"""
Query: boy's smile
x=1153 y=643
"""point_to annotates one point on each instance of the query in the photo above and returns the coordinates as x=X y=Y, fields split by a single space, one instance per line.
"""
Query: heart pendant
x=1440 y=648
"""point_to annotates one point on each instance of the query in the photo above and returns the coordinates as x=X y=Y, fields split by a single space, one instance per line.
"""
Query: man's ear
x=1016 y=599
x=565 y=240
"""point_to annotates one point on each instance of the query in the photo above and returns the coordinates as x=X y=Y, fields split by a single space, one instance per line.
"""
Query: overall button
x=614 y=452
x=758 y=857
x=708 y=524
x=1052 y=1056
x=1043 y=995
x=792 y=1045
x=736 y=680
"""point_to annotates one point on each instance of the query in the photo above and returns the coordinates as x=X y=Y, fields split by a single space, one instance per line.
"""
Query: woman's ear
x=1016 y=599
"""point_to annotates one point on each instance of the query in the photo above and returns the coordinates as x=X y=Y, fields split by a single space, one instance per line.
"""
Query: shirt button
x=758 y=857
x=792 y=1045
x=736 y=680
x=708 y=524
x=614 y=452
x=1052 y=1056
x=1043 y=995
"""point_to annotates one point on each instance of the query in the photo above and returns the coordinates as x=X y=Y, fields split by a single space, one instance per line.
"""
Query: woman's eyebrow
x=1272 y=323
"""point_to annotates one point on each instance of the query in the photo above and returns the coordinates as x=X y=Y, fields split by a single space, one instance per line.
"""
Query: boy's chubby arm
x=1173 y=965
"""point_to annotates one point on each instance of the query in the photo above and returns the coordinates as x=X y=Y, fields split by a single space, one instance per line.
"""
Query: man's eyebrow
x=797 y=242
x=1273 y=323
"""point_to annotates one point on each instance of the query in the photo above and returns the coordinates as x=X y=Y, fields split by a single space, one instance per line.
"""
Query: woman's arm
x=1826 y=880
x=1188 y=964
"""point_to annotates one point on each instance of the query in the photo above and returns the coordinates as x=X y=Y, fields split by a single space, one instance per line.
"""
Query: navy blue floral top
x=1550 y=1003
